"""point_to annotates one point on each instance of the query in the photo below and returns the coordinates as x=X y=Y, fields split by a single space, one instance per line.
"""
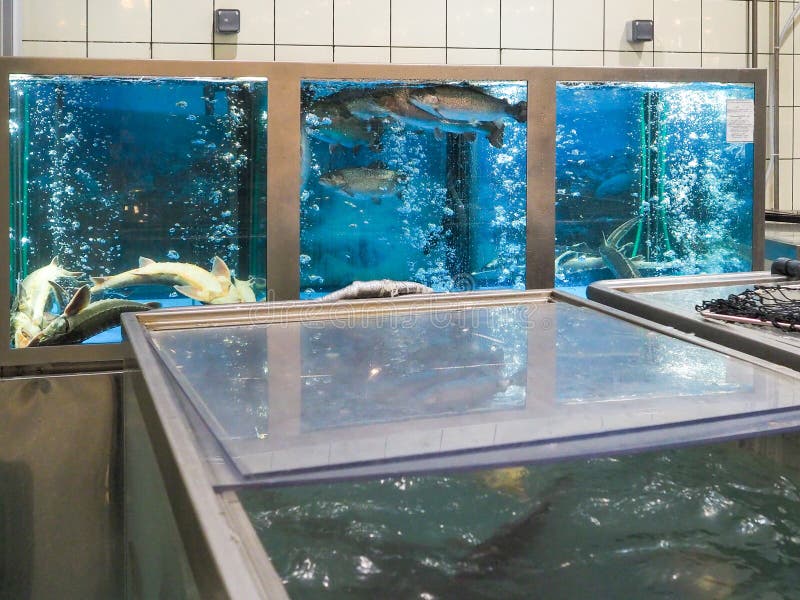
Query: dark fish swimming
x=361 y=183
x=82 y=319
x=466 y=103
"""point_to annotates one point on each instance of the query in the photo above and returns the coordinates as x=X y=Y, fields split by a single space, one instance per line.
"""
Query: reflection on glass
x=614 y=361
x=105 y=170
x=647 y=182
x=414 y=366
x=422 y=181
x=709 y=522
x=316 y=393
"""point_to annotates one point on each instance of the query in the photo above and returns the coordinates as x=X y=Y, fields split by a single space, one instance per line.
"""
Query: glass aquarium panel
x=422 y=181
x=648 y=182
x=370 y=388
x=148 y=191
x=717 y=521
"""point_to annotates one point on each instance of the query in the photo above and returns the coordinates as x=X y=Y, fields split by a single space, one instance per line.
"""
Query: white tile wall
x=688 y=34
x=127 y=21
x=677 y=25
x=183 y=21
x=617 y=14
x=421 y=23
x=361 y=23
x=526 y=24
x=578 y=24
x=257 y=23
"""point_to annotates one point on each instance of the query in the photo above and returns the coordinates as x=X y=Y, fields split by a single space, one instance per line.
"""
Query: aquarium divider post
x=283 y=183
x=541 y=185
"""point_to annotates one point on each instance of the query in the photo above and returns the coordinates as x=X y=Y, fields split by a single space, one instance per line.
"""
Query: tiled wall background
x=688 y=33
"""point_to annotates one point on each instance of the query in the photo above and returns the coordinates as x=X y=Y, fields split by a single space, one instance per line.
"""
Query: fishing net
x=778 y=305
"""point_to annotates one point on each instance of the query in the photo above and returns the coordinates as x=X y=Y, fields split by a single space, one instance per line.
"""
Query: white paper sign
x=740 y=121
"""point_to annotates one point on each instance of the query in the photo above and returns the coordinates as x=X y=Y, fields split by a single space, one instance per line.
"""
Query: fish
x=378 y=288
x=618 y=185
x=83 y=319
x=35 y=292
x=613 y=257
x=395 y=103
x=333 y=123
x=511 y=539
x=240 y=291
x=372 y=183
x=188 y=279
x=466 y=103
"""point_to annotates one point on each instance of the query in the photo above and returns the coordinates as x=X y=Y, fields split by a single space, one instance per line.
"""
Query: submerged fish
x=35 y=291
x=466 y=103
x=37 y=295
x=394 y=102
x=614 y=257
x=618 y=185
x=364 y=182
x=190 y=280
x=82 y=319
x=332 y=123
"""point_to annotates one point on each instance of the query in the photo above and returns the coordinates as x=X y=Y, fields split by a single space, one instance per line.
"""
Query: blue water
x=107 y=169
x=699 y=216
x=456 y=221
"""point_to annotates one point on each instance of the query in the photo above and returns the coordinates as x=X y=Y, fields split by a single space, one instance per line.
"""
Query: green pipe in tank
x=643 y=180
x=662 y=211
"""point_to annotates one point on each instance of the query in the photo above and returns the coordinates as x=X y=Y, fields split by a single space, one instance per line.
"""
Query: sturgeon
x=240 y=291
x=377 y=288
x=36 y=297
x=188 y=279
x=83 y=319
x=621 y=266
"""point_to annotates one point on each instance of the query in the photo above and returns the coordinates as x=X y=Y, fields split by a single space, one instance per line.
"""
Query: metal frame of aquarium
x=283 y=161
x=763 y=342
x=225 y=554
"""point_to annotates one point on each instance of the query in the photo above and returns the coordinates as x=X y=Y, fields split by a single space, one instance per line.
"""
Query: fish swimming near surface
x=83 y=319
x=466 y=103
x=359 y=183
x=613 y=255
x=188 y=279
x=394 y=102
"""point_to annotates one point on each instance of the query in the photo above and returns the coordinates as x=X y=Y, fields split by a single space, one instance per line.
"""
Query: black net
x=778 y=305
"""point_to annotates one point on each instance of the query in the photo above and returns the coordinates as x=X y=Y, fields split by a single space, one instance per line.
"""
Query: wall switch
x=639 y=30
x=227 y=20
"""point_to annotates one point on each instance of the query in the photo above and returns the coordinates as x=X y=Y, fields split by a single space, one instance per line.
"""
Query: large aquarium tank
x=705 y=523
x=129 y=193
x=413 y=180
x=652 y=179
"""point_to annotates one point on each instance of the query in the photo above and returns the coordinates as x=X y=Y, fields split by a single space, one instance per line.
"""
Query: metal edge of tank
x=224 y=564
x=240 y=561
x=283 y=133
x=141 y=344
x=622 y=295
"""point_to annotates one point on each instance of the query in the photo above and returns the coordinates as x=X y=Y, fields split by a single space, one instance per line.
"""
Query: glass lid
x=367 y=387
